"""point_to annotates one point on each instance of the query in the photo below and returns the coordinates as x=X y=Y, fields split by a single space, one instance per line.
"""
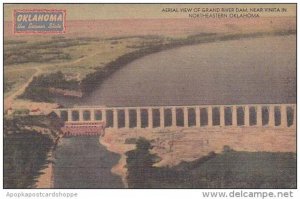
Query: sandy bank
x=114 y=144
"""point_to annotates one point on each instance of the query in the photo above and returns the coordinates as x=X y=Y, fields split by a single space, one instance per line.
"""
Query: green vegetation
x=38 y=89
x=150 y=37
x=25 y=154
x=8 y=86
x=21 y=112
x=16 y=77
x=17 y=124
x=130 y=141
x=42 y=51
x=139 y=165
x=230 y=169
x=14 y=42
x=25 y=149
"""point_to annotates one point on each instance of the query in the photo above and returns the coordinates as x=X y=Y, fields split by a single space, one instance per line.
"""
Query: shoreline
x=46 y=178
x=118 y=169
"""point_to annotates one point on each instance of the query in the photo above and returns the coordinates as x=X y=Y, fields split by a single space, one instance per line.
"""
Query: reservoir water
x=258 y=70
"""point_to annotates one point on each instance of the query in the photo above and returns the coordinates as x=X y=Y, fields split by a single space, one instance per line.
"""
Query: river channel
x=82 y=162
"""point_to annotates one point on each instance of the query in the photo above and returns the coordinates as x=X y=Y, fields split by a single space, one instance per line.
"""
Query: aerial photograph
x=149 y=96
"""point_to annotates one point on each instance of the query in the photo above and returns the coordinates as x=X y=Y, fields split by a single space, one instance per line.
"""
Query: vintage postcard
x=133 y=96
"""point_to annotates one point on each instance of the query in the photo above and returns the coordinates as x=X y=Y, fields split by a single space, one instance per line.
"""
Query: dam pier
x=200 y=116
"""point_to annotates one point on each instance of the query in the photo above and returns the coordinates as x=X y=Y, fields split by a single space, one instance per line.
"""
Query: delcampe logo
x=39 y=21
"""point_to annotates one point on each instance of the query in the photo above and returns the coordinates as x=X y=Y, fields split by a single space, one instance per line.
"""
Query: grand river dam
x=246 y=71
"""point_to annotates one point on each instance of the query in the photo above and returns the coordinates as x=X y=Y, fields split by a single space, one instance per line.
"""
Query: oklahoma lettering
x=39 y=17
